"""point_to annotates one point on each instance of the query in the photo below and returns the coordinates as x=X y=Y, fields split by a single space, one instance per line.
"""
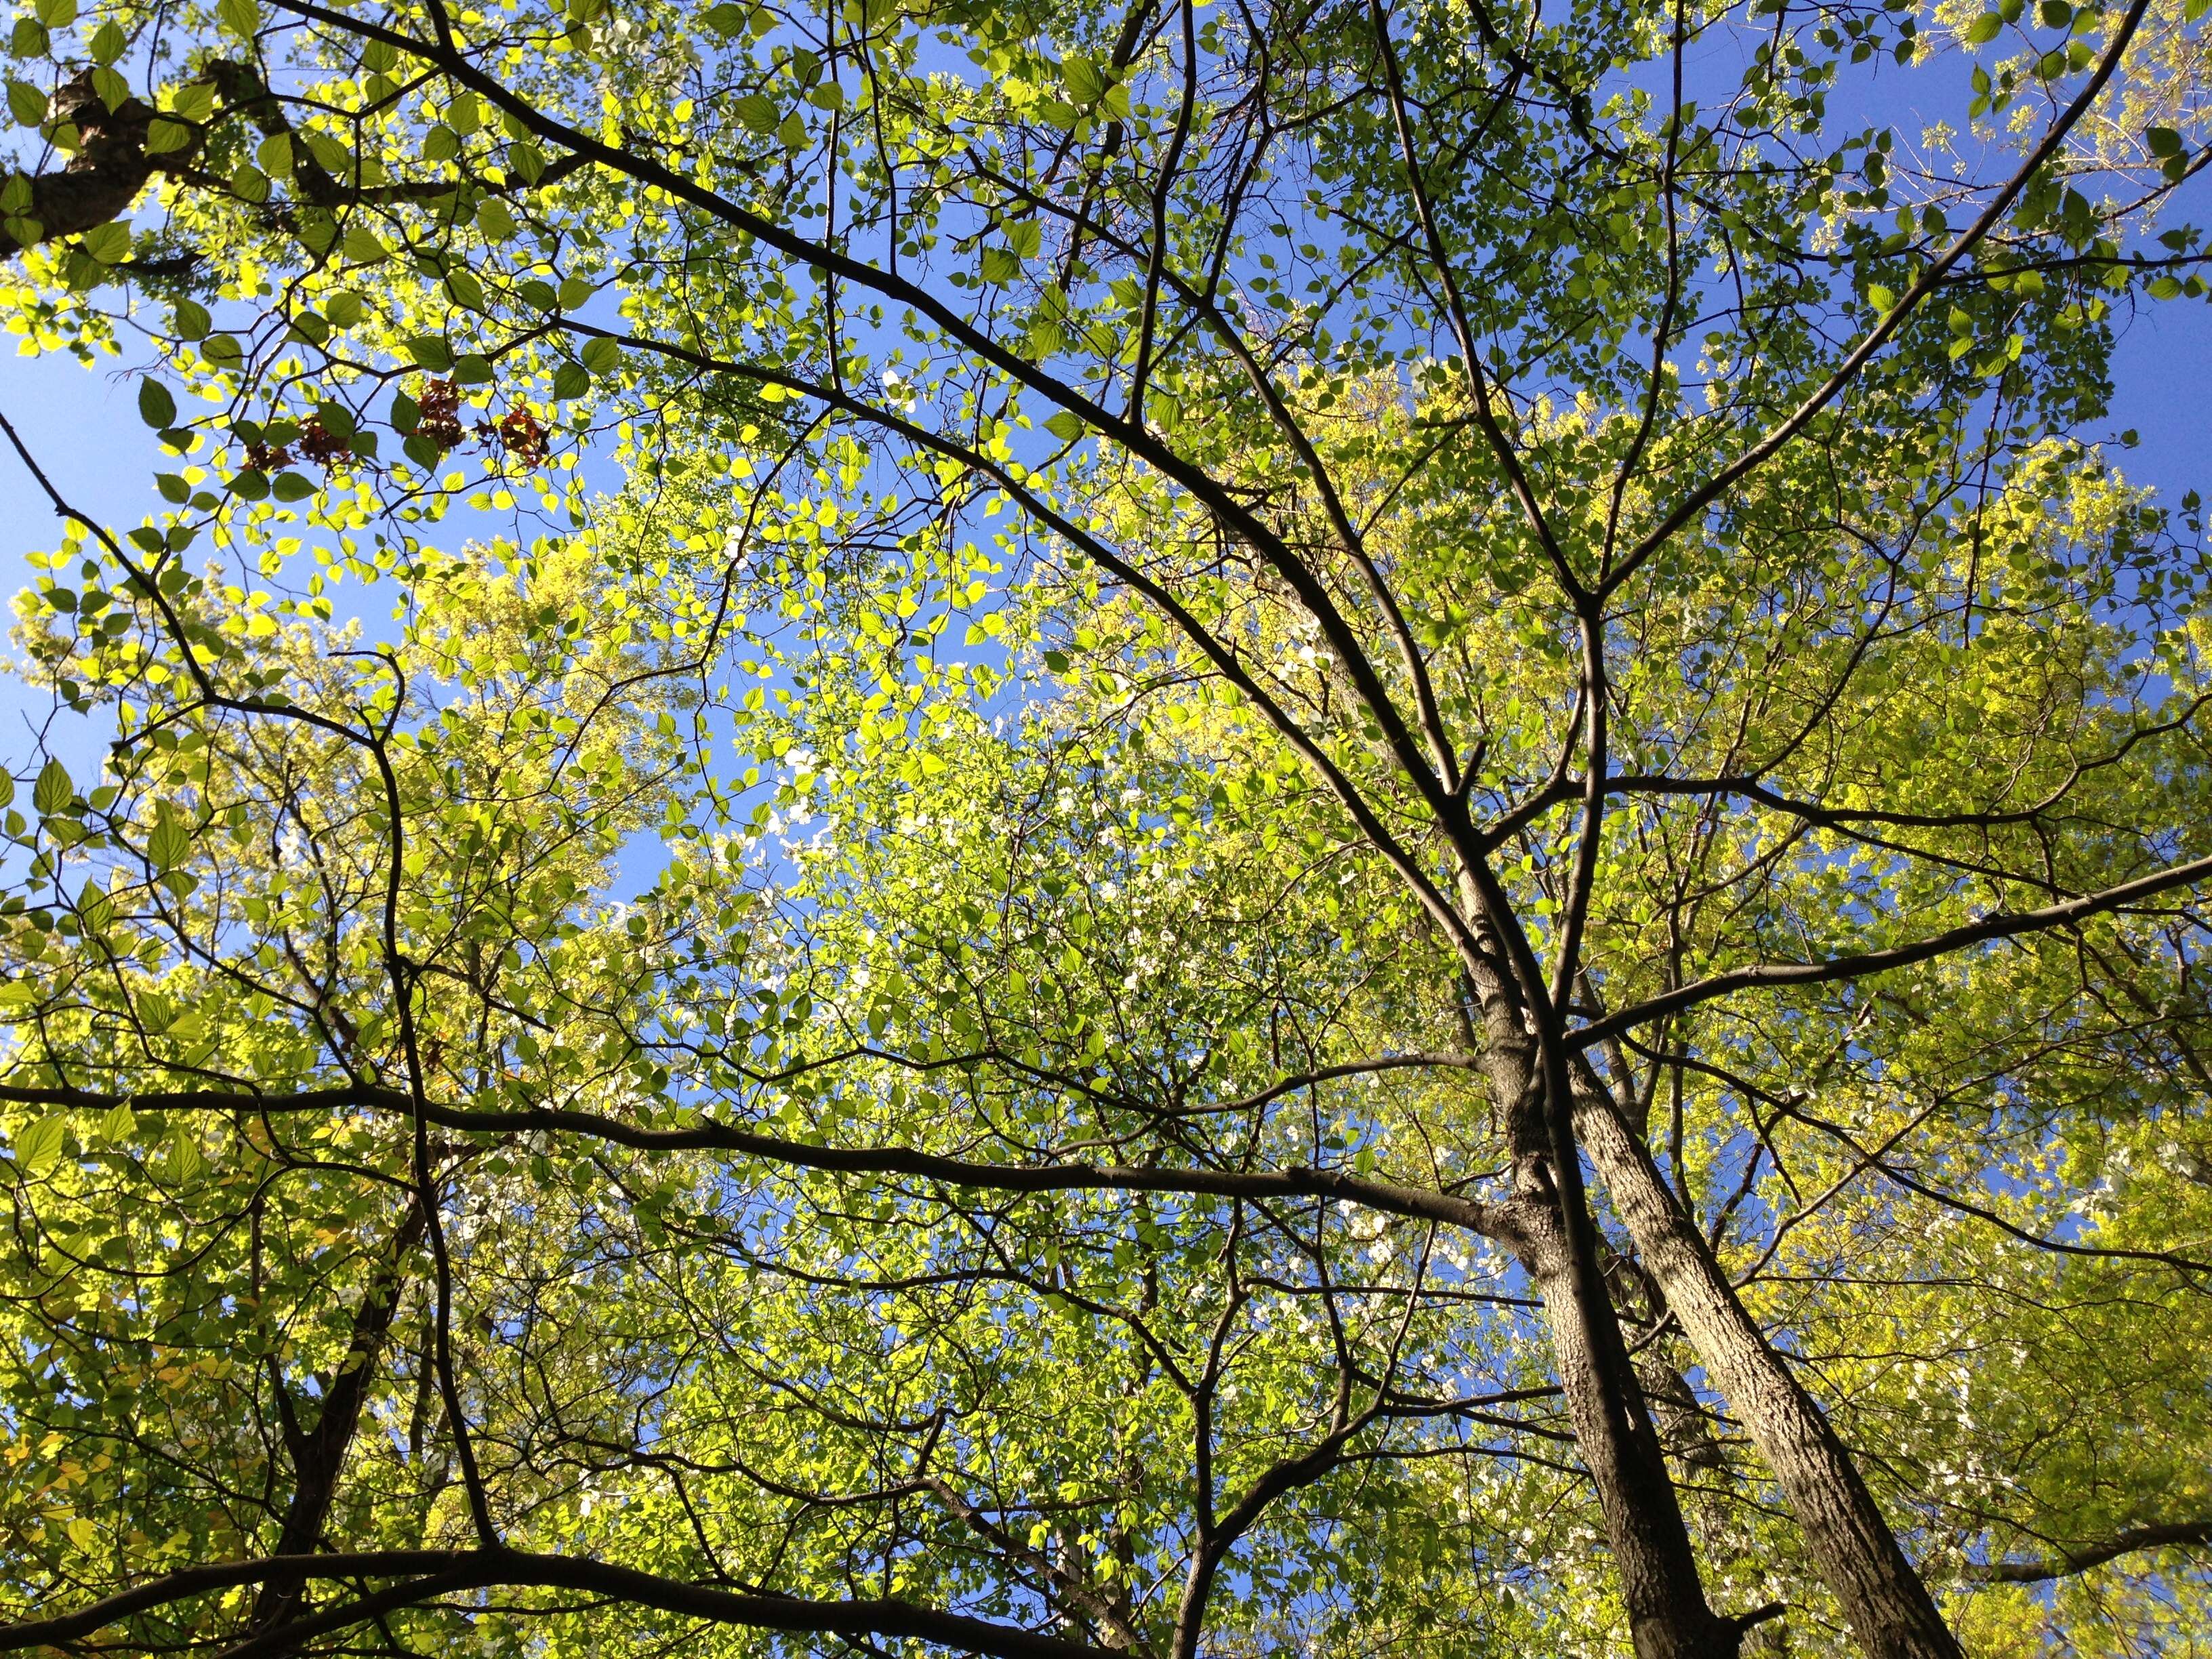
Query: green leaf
x=192 y=101
x=110 y=243
x=571 y=380
x=363 y=246
x=165 y=137
x=726 y=19
x=333 y=156
x=241 y=17
x=182 y=1161
x=27 y=105
x=462 y=284
x=1026 y=237
x=6 y=787
x=431 y=352
x=1063 y=426
x=190 y=319
x=38 y=1147
x=1001 y=264
x=1984 y=29
x=108 y=43
x=55 y=13
x=600 y=355
x=53 y=790
x=156 y=406
x=1084 y=80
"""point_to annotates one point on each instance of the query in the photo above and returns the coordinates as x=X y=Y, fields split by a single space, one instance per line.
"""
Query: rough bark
x=1853 y=1548
x=1668 y=1615
x=103 y=177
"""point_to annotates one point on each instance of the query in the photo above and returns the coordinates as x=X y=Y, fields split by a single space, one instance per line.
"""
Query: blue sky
x=83 y=424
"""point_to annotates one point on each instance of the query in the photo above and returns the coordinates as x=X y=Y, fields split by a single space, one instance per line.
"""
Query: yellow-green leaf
x=363 y=246
x=110 y=243
x=27 y=104
x=38 y=1147
x=165 y=137
x=53 y=790
x=1084 y=80
x=757 y=113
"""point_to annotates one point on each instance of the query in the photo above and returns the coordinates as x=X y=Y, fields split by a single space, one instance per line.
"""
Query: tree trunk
x=1667 y=1613
x=1668 y=1617
x=1856 y=1554
x=319 y=1453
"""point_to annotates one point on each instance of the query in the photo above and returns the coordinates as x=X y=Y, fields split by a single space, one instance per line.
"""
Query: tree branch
x=2003 y=925
x=1418 y=1203
x=441 y=1572
x=2067 y=1562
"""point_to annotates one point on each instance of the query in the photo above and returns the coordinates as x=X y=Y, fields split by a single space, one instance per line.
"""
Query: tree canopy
x=1229 y=826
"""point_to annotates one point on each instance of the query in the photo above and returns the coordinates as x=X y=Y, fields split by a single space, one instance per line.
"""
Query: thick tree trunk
x=1668 y=1615
x=99 y=183
x=1856 y=1554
